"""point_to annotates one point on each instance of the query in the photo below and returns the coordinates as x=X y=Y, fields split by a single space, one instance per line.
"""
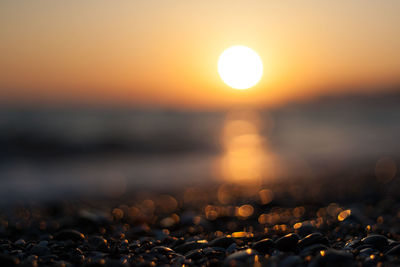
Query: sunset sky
x=164 y=53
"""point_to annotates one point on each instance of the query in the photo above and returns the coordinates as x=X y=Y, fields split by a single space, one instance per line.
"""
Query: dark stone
x=70 y=234
x=20 y=242
x=40 y=250
x=162 y=250
x=377 y=241
x=368 y=251
x=242 y=258
x=232 y=248
x=310 y=250
x=264 y=246
x=222 y=242
x=311 y=239
x=98 y=243
x=394 y=251
x=334 y=258
x=287 y=242
x=188 y=246
x=194 y=254
x=291 y=261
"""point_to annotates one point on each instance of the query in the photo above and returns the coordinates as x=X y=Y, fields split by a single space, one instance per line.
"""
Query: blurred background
x=98 y=98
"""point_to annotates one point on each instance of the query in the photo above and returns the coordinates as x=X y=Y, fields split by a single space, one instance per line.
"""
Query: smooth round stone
x=291 y=261
x=305 y=229
x=20 y=242
x=70 y=234
x=334 y=258
x=287 y=242
x=222 y=242
x=195 y=254
x=232 y=248
x=263 y=246
x=368 y=251
x=188 y=246
x=311 y=239
x=377 y=241
x=394 y=251
x=98 y=243
x=215 y=252
x=40 y=250
x=352 y=244
x=309 y=250
x=242 y=258
x=162 y=250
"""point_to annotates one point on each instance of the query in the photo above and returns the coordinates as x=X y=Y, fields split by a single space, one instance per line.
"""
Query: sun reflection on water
x=246 y=157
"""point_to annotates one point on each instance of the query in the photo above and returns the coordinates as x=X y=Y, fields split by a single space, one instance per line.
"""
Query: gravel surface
x=218 y=225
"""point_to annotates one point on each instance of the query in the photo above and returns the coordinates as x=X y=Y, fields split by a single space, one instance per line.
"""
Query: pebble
x=20 y=242
x=188 y=246
x=203 y=234
x=394 y=251
x=263 y=246
x=291 y=261
x=334 y=258
x=311 y=239
x=40 y=250
x=98 y=243
x=377 y=241
x=242 y=258
x=222 y=242
x=287 y=242
x=70 y=234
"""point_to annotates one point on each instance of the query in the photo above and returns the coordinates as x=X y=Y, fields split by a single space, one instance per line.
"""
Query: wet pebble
x=311 y=239
x=377 y=241
x=222 y=242
x=70 y=234
x=20 y=242
x=242 y=258
x=287 y=242
x=334 y=258
x=394 y=251
x=98 y=243
x=264 y=246
x=40 y=250
x=188 y=246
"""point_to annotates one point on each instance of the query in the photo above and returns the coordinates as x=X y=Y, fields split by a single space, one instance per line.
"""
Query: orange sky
x=164 y=53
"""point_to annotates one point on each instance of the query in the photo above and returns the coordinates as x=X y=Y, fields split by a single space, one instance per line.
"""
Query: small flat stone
x=70 y=234
x=377 y=241
x=291 y=261
x=287 y=242
x=188 y=246
x=162 y=250
x=333 y=257
x=394 y=251
x=40 y=250
x=222 y=242
x=20 y=242
x=98 y=243
x=242 y=257
x=311 y=239
x=263 y=246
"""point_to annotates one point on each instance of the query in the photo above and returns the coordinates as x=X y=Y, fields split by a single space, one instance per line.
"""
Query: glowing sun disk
x=240 y=67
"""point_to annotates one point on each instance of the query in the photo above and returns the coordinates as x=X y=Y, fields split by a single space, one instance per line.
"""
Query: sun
x=240 y=67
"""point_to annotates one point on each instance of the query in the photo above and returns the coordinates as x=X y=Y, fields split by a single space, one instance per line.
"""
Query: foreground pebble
x=168 y=230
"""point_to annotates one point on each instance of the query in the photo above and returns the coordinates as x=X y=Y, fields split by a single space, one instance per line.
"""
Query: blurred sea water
x=53 y=152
